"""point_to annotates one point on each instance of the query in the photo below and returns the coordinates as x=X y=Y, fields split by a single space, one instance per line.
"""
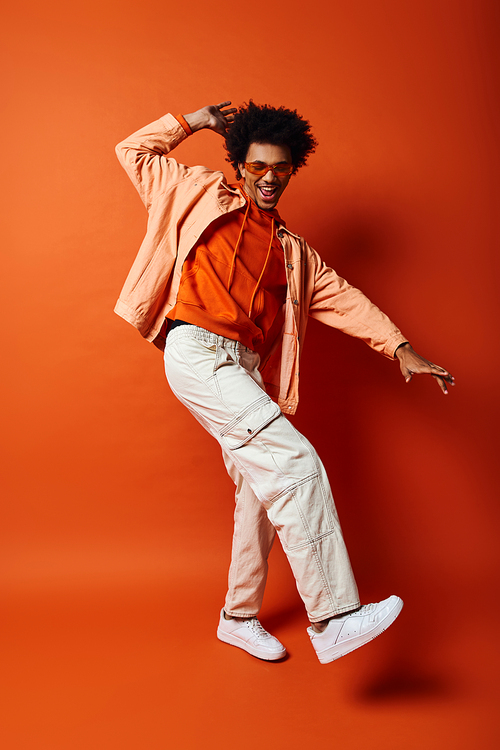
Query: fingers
x=220 y=118
x=442 y=378
x=223 y=105
x=412 y=363
x=226 y=114
x=442 y=384
x=442 y=374
x=407 y=374
x=438 y=373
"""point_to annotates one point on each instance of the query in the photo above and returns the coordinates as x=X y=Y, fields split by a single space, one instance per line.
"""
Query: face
x=265 y=190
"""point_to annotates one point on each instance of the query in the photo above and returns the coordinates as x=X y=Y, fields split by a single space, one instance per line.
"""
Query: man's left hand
x=412 y=363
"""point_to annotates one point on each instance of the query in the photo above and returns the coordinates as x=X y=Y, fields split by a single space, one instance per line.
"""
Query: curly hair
x=255 y=123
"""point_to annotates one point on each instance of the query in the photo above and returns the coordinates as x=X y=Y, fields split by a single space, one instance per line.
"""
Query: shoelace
x=257 y=628
x=364 y=610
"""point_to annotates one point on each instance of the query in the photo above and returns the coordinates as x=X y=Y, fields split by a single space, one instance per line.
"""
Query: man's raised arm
x=143 y=154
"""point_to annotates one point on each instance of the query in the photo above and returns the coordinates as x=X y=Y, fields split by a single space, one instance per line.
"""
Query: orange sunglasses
x=259 y=168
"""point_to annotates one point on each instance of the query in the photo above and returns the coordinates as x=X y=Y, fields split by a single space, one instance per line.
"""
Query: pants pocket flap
x=249 y=422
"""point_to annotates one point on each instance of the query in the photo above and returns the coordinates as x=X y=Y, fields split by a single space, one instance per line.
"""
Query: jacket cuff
x=174 y=129
x=393 y=343
x=180 y=119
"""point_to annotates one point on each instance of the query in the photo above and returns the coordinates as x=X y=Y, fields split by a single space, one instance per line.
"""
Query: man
x=225 y=288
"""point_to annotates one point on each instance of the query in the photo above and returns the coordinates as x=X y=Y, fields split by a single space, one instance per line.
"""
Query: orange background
x=116 y=510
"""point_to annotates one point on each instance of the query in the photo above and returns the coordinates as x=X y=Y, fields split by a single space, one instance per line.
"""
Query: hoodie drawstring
x=235 y=252
x=233 y=261
x=263 y=269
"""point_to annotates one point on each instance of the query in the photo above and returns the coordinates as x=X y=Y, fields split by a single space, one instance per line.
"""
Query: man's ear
x=241 y=167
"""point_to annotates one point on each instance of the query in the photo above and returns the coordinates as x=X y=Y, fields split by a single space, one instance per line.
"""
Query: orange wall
x=104 y=474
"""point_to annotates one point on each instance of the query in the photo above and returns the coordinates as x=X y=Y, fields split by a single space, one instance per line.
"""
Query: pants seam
x=292 y=487
x=313 y=540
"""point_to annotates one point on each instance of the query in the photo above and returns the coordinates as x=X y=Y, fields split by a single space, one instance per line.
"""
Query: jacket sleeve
x=338 y=304
x=144 y=157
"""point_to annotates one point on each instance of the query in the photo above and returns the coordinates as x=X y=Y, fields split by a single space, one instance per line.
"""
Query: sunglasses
x=283 y=169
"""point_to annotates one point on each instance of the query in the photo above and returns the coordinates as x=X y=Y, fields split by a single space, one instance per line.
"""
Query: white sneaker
x=344 y=634
x=250 y=636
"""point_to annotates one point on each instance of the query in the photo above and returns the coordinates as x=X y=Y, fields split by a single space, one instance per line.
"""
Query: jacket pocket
x=249 y=422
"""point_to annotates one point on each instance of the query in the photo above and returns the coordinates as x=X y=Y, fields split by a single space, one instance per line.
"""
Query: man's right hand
x=216 y=117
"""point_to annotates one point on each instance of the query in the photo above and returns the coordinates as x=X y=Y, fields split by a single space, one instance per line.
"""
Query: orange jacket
x=181 y=202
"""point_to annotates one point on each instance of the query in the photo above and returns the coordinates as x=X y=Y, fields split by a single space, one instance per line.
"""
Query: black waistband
x=171 y=324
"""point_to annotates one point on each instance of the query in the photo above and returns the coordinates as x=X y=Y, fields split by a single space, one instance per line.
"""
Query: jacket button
x=296 y=302
x=281 y=234
x=249 y=431
x=289 y=265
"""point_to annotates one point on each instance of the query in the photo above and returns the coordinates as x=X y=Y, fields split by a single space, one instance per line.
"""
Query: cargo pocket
x=249 y=422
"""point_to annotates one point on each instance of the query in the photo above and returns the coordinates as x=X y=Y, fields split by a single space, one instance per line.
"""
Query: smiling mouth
x=267 y=191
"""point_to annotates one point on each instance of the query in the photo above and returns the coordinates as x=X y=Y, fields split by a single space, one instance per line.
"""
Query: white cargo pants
x=281 y=485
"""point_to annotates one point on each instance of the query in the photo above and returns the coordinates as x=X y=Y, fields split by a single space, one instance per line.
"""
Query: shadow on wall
x=361 y=240
x=340 y=375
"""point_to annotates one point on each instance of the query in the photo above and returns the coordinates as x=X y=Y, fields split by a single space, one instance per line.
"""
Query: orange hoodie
x=233 y=281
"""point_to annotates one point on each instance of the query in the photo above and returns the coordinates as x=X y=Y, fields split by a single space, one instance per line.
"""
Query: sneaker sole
x=233 y=640
x=336 y=652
